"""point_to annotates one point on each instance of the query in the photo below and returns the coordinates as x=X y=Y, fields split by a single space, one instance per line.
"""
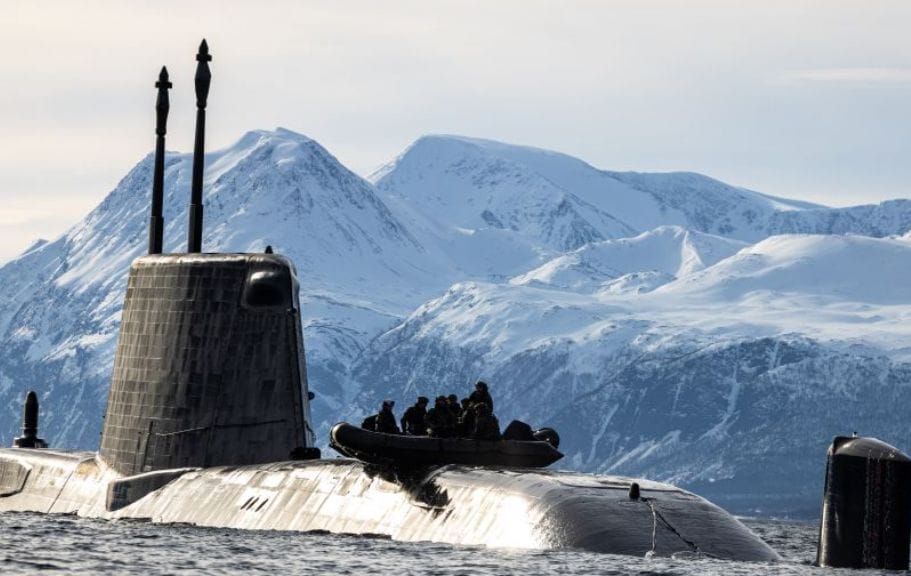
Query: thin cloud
x=871 y=75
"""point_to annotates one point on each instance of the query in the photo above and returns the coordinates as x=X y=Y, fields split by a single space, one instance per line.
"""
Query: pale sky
x=803 y=99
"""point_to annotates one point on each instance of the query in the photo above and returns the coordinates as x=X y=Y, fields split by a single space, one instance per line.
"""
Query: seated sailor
x=439 y=420
x=486 y=425
x=481 y=394
x=369 y=423
x=465 y=423
x=413 y=418
x=452 y=401
x=385 y=419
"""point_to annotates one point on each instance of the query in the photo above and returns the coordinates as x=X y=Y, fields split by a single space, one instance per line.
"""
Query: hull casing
x=485 y=506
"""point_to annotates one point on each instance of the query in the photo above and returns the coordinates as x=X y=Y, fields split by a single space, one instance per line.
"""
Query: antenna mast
x=156 y=220
x=203 y=78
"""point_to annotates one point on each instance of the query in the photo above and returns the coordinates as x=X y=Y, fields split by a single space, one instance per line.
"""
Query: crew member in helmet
x=385 y=419
x=413 y=418
x=439 y=420
x=486 y=425
x=465 y=423
x=369 y=423
x=454 y=406
x=481 y=395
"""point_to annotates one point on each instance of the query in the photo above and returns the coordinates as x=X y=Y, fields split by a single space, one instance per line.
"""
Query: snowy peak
x=462 y=183
x=435 y=149
x=271 y=187
x=360 y=269
x=311 y=188
x=834 y=268
x=560 y=202
x=649 y=259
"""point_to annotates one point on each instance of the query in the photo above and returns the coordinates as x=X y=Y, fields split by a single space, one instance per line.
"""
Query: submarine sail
x=209 y=367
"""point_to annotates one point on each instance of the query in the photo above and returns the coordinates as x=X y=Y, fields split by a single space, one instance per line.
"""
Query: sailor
x=413 y=418
x=439 y=420
x=385 y=420
x=465 y=425
x=481 y=395
x=369 y=423
x=454 y=406
x=486 y=425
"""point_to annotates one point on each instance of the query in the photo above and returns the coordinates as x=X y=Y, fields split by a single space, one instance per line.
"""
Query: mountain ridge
x=644 y=318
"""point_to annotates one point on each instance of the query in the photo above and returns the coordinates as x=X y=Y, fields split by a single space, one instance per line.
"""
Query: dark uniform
x=369 y=423
x=481 y=395
x=385 y=420
x=465 y=425
x=413 y=418
x=486 y=425
x=453 y=402
x=439 y=419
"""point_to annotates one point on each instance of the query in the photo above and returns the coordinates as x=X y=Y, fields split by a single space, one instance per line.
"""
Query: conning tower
x=210 y=363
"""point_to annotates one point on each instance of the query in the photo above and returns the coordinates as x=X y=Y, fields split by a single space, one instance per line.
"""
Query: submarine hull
x=488 y=506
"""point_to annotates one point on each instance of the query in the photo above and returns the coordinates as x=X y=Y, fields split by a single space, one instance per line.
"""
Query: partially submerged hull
x=452 y=504
x=414 y=451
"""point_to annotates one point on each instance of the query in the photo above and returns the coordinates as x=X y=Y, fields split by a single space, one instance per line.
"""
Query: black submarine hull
x=414 y=451
x=462 y=505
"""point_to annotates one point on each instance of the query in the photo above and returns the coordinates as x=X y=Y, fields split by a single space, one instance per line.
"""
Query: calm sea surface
x=39 y=544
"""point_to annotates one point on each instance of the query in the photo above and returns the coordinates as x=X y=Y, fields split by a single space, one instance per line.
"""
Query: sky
x=796 y=98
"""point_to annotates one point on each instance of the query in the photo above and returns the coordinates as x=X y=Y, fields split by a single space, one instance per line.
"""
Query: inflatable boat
x=415 y=451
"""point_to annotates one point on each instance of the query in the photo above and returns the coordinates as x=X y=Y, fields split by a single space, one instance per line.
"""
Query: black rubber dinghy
x=401 y=450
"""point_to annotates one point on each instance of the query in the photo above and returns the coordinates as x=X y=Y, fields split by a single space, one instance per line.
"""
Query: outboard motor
x=548 y=435
x=866 y=512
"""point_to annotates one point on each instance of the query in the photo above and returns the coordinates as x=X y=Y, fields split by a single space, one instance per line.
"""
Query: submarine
x=208 y=423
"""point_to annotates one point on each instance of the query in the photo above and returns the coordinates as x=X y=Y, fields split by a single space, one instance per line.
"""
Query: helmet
x=423 y=400
x=388 y=403
x=481 y=385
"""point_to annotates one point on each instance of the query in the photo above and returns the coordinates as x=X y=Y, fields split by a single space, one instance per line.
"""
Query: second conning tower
x=210 y=364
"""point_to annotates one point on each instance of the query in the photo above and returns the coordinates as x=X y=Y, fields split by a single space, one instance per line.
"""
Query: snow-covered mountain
x=656 y=256
x=667 y=324
x=731 y=379
x=559 y=201
x=551 y=200
x=361 y=270
x=841 y=269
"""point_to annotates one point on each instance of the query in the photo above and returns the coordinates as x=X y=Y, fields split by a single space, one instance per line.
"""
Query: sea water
x=43 y=544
